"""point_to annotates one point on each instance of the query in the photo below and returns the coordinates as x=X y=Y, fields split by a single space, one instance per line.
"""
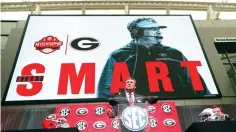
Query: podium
x=213 y=126
x=133 y=117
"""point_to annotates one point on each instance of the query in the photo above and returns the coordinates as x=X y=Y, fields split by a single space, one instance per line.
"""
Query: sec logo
x=82 y=111
x=99 y=125
x=153 y=123
x=81 y=125
x=169 y=122
x=64 y=112
x=166 y=108
x=134 y=118
x=115 y=124
x=99 y=110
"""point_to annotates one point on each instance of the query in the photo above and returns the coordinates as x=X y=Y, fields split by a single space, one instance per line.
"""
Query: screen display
x=87 y=57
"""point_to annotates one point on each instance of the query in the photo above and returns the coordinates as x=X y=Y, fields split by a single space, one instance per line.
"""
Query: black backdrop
x=188 y=114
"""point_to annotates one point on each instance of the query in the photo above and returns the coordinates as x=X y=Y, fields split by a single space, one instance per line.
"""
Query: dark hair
x=134 y=30
x=217 y=106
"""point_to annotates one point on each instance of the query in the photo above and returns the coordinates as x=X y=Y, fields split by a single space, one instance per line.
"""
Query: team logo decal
x=99 y=125
x=169 y=122
x=115 y=124
x=82 y=111
x=99 y=110
x=151 y=109
x=81 y=125
x=64 y=112
x=153 y=123
x=166 y=108
x=65 y=125
x=48 y=44
x=51 y=117
x=134 y=118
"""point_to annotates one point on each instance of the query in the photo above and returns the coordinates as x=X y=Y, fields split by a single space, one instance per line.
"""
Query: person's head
x=130 y=85
x=145 y=31
x=217 y=110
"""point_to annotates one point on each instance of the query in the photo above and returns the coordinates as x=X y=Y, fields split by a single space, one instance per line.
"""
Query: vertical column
x=168 y=11
x=211 y=14
x=127 y=9
x=37 y=10
x=83 y=10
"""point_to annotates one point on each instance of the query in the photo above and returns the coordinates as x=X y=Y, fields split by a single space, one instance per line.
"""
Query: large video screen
x=86 y=57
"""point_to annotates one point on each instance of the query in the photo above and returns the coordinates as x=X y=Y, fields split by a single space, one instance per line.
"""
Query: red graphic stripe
x=66 y=44
x=19 y=79
x=29 y=78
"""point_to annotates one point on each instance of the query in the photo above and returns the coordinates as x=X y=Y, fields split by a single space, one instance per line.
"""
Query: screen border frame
x=92 y=100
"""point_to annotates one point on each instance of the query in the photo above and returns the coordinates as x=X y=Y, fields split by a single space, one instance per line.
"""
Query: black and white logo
x=81 y=125
x=99 y=110
x=169 y=122
x=151 y=109
x=115 y=124
x=166 y=108
x=51 y=117
x=82 y=111
x=84 y=43
x=64 y=112
x=153 y=123
x=99 y=125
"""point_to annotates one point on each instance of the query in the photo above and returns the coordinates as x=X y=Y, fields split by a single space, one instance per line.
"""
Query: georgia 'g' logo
x=115 y=124
x=64 y=112
x=82 y=111
x=51 y=117
x=81 y=125
x=169 y=122
x=99 y=110
x=134 y=118
x=99 y=125
x=65 y=125
x=166 y=108
x=84 y=43
x=48 y=44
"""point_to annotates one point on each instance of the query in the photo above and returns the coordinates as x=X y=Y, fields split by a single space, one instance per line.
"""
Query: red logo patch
x=48 y=44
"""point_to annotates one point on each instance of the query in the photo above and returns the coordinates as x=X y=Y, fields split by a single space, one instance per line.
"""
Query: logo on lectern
x=169 y=122
x=134 y=118
x=99 y=125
